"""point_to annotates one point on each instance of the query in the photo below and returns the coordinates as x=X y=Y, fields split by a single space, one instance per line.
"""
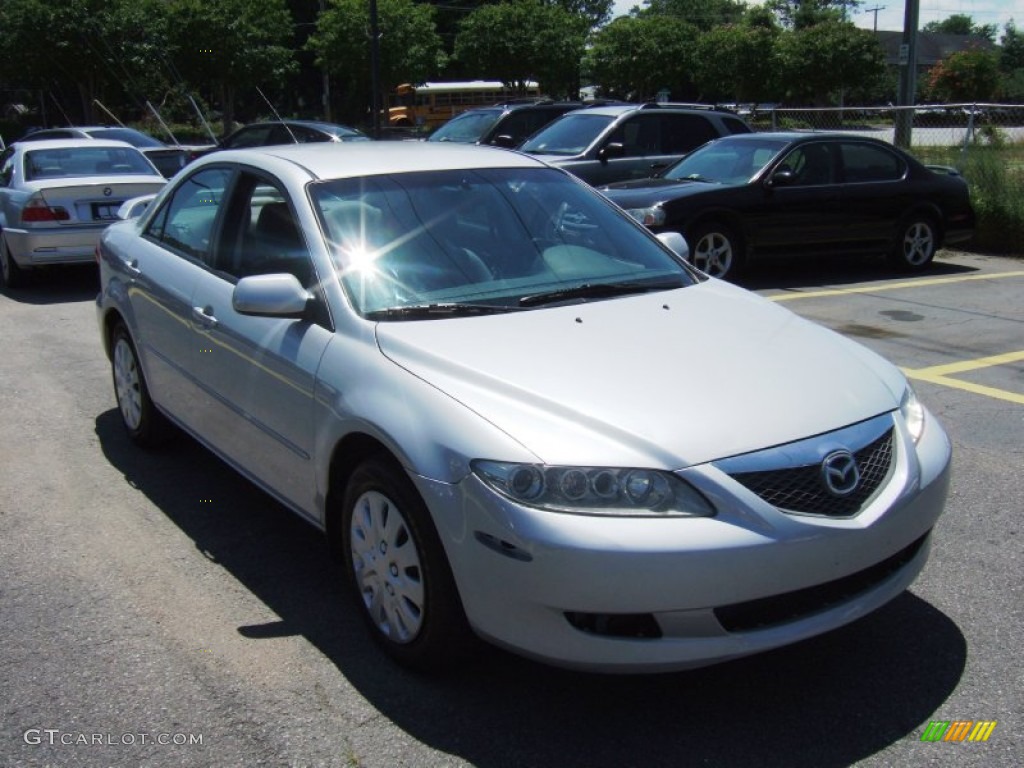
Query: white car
x=514 y=411
x=57 y=196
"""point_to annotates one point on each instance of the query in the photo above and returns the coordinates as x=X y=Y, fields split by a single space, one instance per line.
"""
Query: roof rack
x=683 y=104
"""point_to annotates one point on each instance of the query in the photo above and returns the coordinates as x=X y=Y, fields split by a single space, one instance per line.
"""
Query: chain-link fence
x=985 y=142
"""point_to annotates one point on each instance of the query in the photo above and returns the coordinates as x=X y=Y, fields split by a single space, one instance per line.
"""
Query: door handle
x=204 y=316
x=131 y=267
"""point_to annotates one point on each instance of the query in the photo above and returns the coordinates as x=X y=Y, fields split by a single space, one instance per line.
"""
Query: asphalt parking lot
x=156 y=609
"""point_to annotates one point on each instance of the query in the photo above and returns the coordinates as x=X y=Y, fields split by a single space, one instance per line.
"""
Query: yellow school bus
x=430 y=104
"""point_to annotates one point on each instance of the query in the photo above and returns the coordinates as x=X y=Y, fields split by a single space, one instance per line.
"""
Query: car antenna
x=57 y=103
x=282 y=122
x=113 y=117
x=162 y=123
x=202 y=117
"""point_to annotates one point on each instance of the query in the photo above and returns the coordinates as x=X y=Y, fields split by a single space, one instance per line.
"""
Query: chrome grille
x=800 y=489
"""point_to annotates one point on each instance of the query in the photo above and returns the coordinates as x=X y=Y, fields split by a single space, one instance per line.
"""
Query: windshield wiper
x=421 y=311
x=598 y=291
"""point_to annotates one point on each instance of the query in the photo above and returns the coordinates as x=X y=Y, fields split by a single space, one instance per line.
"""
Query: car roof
x=341 y=160
x=328 y=127
x=72 y=143
x=800 y=136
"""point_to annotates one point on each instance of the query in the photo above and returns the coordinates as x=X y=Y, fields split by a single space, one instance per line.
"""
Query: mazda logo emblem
x=840 y=474
x=107 y=191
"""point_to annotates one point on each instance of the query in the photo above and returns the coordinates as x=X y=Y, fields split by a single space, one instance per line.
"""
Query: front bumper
x=646 y=594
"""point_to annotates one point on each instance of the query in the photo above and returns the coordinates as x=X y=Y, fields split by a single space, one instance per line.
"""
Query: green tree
x=737 y=62
x=818 y=62
x=801 y=14
x=1011 y=55
x=965 y=76
x=703 y=14
x=225 y=47
x=636 y=56
x=524 y=40
x=410 y=49
x=596 y=12
x=962 y=24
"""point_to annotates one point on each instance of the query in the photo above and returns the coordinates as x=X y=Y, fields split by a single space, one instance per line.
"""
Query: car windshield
x=438 y=243
x=468 y=127
x=70 y=162
x=569 y=135
x=135 y=138
x=726 y=161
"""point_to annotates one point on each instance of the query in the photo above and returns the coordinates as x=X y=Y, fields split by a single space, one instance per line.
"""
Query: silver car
x=57 y=196
x=514 y=411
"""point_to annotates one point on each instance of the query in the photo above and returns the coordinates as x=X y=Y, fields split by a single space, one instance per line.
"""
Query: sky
x=996 y=12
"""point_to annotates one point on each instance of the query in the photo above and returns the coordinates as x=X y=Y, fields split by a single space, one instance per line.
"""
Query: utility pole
x=875 y=11
x=908 y=74
x=374 y=70
x=326 y=77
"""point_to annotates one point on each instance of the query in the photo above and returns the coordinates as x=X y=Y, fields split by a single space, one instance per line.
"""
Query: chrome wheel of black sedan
x=791 y=193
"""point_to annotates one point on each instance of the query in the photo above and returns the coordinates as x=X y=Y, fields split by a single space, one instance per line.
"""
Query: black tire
x=11 y=275
x=916 y=243
x=716 y=249
x=145 y=425
x=397 y=567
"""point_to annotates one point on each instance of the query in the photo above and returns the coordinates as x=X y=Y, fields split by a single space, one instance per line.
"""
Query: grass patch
x=995 y=174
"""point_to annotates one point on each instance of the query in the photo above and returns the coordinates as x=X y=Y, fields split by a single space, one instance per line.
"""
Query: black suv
x=605 y=144
x=503 y=125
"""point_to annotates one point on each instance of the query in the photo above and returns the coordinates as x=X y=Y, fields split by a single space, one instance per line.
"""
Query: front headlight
x=609 y=491
x=913 y=414
x=649 y=217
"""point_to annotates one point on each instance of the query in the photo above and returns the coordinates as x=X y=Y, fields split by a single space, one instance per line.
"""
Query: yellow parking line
x=971 y=365
x=939 y=374
x=967 y=386
x=892 y=286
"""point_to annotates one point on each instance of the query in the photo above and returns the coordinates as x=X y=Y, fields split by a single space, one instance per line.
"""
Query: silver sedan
x=57 y=196
x=514 y=411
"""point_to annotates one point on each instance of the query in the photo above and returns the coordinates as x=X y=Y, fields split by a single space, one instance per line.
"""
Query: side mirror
x=134 y=207
x=676 y=243
x=781 y=178
x=504 y=140
x=610 y=151
x=279 y=295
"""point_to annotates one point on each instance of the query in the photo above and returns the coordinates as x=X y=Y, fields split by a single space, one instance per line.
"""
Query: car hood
x=644 y=192
x=668 y=380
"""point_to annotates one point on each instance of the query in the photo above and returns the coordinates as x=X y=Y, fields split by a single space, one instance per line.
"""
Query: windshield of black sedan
x=485 y=238
x=726 y=161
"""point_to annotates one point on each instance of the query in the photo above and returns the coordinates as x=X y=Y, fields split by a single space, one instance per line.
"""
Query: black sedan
x=279 y=132
x=758 y=194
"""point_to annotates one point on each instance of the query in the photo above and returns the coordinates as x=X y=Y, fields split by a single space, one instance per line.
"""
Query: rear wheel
x=11 y=275
x=716 y=249
x=145 y=425
x=400 y=575
x=916 y=244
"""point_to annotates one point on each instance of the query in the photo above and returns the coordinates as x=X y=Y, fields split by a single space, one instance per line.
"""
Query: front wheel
x=717 y=250
x=399 y=571
x=916 y=244
x=11 y=275
x=145 y=425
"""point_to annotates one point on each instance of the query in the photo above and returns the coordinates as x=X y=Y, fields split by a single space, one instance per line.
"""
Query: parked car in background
x=785 y=193
x=167 y=159
x=628 y=141
x=57 y=197
x=504 y=125
x=482 y=380
x=277 y=132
